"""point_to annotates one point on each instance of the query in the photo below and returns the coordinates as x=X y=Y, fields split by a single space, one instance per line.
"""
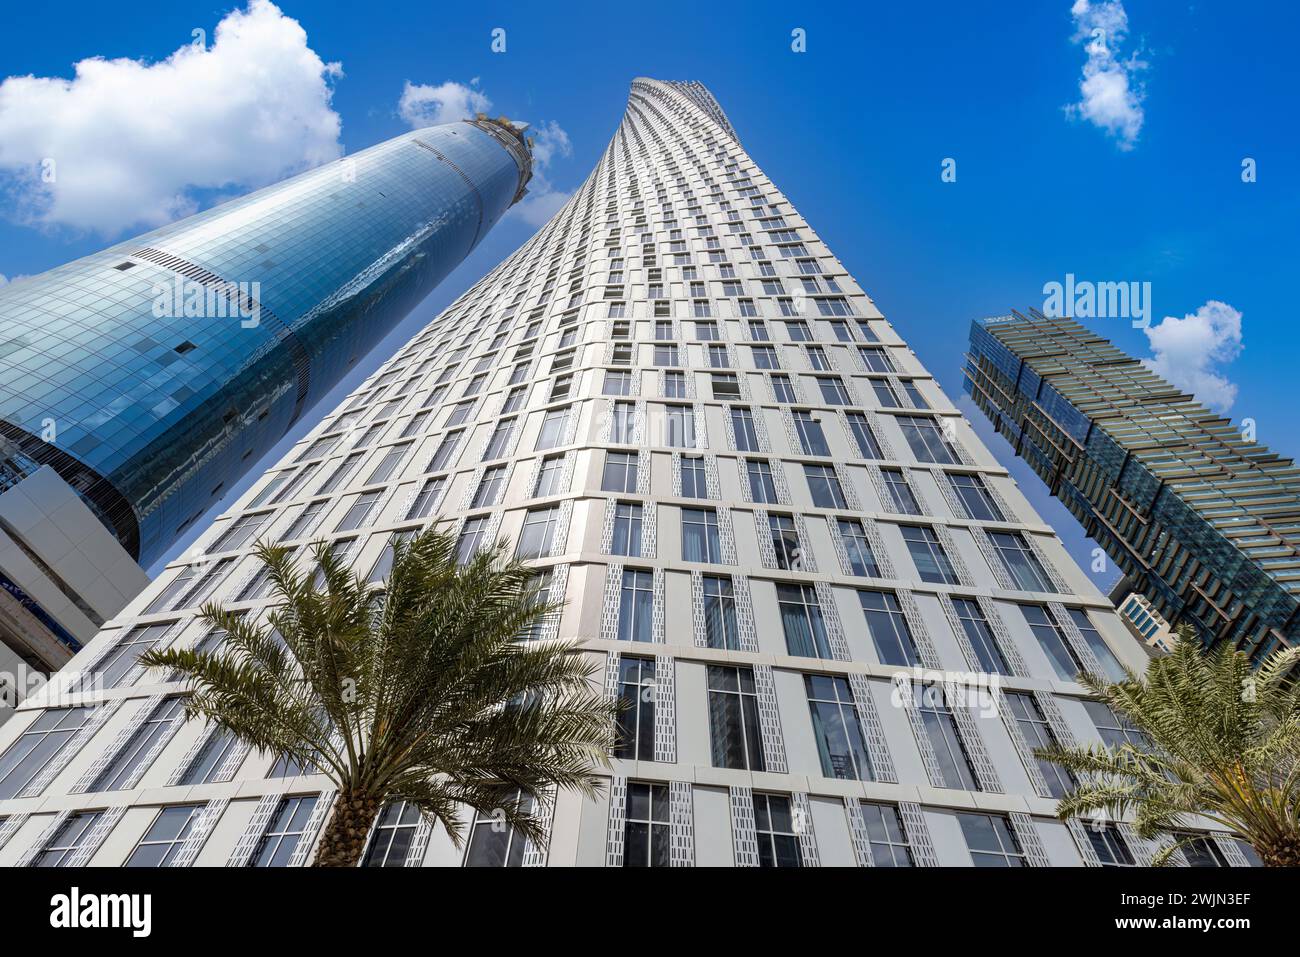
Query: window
x=561 y=386
x=801 y=619
x=554 y=425
x=1115 y=731
x=720 y=628
x=120 y=663
x=679 y=427
x=666 y=354
x=392 y=836
x=817 y=359
x=718 y=357
x=1100 y=650
x=627 y=529
x=926 y=440
x=636 y=719
x=647 y=828
x=1200 y=851
x=126 y=767
x=499 y=443
x=695 y=482
x=515 y=399
x=37 y=746
x=538 y=533
x=941 y=728
x=162 y=842
x=914 y=395
x=841 y=745
x=618 y=383
x=674 y=385
x=1020 y=561
x=1053 y=642
x=358 y=514
x=472 y=535
x=287 y=828
x=489 y=487
x=991 y=841
x=758 y=331
x=620 y=473
x=876 y=359
x=1038 y=734
x=885 y=394
x=783 y=388
x=388 y=464
x=931 y=561
x=762 y=487
x=765 y=357
x=491 y=844
x=887 y=835
x=636 y=605
x=975 y=497
x=700 y=539
x=551 y=479
x=903 y=500
x=208 y=763
x=445 y=453
x=888 y=628
x=742 y=425
x=857 y=548
x=733 y=719
x=63 y=846
x=833 y=390
x=459 y=413
x=980 y=636
x=778 y=843
x=811 y=437
x=865 y=439
x=427 y=499
x=824 y=485
x=785 y=541
x=1109 y=845
x=240 y=531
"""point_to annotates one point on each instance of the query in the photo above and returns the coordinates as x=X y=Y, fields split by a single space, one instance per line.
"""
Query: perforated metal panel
x=929 y=759
x=831 y=618
x=114 y=747
x=878 y=549
x=972 y=740
x=699 y=626
x=9 y=827
x=1055 y=720
x=54 y=767
x=851 y=497
x=807 y=561
x=42 y=839
x=949 y=546
x=677 y=474
x=1086 y=851
x=617 y=821
x=744 y=833
x=612 y=665
x=803 y=828
x=665 y=709
x=991 y=558
x=681 y=816
x=1229 y=848
x=747 y=635
x=1027 y=834
x=233 y=760
x=711 y=483
x=1006 y=644
x=607 y=527
x=959 y=633
x=858 y=836
x=1058 y=583
x=764 y=533
x=419 y=842
x=726 y=540
x=536 y=853
x=199 y=831
x=701 y=426
x=769 y=720
x=1075 y=638
x=609 y=610
x=950 y=497
x=94 y=839
x=881 y=487
x=791 y=432
x=657 y=609
x=649 y=530
x=864 y=704
x=882 y=438
x=920 y=633
x=918 y=834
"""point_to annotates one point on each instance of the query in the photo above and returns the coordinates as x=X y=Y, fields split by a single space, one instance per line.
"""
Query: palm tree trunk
x=344 y=839
x=1283 y=852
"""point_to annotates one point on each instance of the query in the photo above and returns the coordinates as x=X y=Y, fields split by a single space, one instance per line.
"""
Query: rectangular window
x=734 y=734
x=857 y=547
x=725 y=385
x=129 y=763
x=887 y=835
x=37 y=746
x=445 y=453
x=622 y=427
x=240 y=531
x=824 y=485
x=811 y=437
x=785 y=541
x=980 y=636
x=765 y=357
x=694 y=477
x=287 y=827
x=720 y=628
x=1020 y=562
x=393 y=834
x=1109 y=845
x=674 y=385
x=931 y=561
x=490 y=487
x=620 y=472
x=863 y=436
x=166 y=835
x=941 y=728
x=359 y=513
x=208 y=763
x=778 y=842
x=802 y=622
x=833 y=390
x=974 y=496
x=389 y=463
x=618 y=383
x=427 y=499
x=762 y=487
x=1110 y=665
x=627 y=530
x=700 y=538
x=888 y=628
x=64 y=844
x=538 y=533
x=876 y=359
x=742 y=425
x=499 y=443
x=119 y=663
x=841 y=744
x=783 y=388
x=679 y=427
x=554 y=425
x=902 y=499
x=492 y=844
x=991 y=841
x=926 y=440
x=636 y=606
x=1038 y=734
x=1053 y=642
x=551 y=478
x=647 y=826
x=636 y=717
x=472 y=535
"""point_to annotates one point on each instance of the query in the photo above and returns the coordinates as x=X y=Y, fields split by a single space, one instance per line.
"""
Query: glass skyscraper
x=1204 y=521
x=150 y=375
x=837 y=627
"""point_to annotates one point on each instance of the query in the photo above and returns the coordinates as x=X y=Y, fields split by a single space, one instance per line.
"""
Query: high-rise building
x=1203 y=520
x=837 y=626
x=1143 y=621
x=138 y=384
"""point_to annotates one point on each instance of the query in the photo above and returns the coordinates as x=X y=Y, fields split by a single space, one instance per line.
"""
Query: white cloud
x=1186 y=350
x=1110 y=94
x=131 y=140
x=424 y=105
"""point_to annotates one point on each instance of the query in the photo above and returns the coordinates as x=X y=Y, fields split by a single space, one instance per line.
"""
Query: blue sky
x=1141 y=181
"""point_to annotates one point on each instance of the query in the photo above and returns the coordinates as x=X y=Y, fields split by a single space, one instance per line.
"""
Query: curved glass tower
x=150 y=375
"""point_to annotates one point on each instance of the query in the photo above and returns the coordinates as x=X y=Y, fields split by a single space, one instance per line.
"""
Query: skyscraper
x=1204 y=521
x=837 y=626
x=149 y=376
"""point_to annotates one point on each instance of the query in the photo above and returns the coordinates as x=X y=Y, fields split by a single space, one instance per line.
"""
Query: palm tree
x=421 y=692
x=1224 y=746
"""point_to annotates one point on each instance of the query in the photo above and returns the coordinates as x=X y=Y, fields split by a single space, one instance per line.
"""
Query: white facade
x=691 y=417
